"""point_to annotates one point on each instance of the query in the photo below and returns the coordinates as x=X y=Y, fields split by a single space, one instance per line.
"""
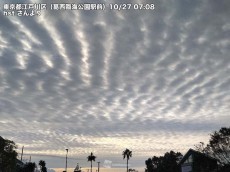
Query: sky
x=151 y=80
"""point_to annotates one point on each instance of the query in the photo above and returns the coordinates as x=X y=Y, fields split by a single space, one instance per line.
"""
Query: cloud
x=50 y=170
x=101 y=81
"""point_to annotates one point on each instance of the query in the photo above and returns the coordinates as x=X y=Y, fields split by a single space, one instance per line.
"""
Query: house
x=194 y=161
x=19 y=164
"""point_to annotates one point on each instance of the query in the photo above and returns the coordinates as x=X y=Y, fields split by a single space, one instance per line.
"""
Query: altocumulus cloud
x=101 y=81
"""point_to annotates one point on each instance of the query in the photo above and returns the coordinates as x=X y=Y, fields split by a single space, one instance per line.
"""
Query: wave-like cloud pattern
x=101 y=81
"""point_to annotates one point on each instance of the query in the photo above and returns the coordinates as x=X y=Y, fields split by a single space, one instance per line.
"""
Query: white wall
x=186 y=168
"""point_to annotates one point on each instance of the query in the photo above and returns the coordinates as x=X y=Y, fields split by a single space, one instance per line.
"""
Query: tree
x=29 y=167
x=91 y=158
x=8 y=155
x=127 y=154
x=218 y=147
x=167 y=163
x=149 y=165
x=171 y=160
x=42 y=166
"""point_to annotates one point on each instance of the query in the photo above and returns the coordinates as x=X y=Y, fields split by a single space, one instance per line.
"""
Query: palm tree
x=127 y=153
x=42 y=166
x=91 y=158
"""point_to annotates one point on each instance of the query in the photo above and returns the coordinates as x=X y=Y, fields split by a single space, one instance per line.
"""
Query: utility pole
x=22 y=152
x=66 y=160
x=98 y=166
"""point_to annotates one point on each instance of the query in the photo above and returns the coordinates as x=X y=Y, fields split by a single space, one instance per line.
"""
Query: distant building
x=77 y=169
x=194 y=161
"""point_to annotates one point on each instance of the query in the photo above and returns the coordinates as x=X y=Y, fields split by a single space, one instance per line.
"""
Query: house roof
x=191 y=151
x=19 y=162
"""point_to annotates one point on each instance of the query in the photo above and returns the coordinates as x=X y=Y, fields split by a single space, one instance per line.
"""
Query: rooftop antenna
x=22 y=152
